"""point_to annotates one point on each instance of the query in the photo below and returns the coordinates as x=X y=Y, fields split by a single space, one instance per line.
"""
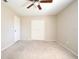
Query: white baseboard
x=7 y=46
x=67 y=48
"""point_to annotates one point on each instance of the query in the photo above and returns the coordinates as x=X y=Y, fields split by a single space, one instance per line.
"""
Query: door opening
x=37 y=29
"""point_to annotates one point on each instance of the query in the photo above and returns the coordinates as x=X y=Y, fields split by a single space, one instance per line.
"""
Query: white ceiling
x=19 y=6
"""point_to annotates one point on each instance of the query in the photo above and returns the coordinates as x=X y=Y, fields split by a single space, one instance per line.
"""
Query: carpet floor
x=36 y=50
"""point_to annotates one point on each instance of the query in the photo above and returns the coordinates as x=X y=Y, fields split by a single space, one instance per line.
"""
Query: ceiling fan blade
x=46 y=1
x=39 y=7
x=5 y=1
x=30 y=5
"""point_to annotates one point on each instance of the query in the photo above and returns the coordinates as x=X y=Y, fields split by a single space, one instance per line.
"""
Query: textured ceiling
x=19 y=6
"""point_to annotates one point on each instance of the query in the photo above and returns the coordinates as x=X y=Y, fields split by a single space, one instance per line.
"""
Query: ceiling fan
x=39 y=1
x=34 y=1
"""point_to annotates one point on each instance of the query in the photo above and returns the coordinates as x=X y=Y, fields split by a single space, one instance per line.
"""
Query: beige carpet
x=36 y=50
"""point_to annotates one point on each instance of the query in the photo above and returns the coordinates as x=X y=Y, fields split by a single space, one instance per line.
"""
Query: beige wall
x=50 y=27
x=67 y=21
x=7 y=27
